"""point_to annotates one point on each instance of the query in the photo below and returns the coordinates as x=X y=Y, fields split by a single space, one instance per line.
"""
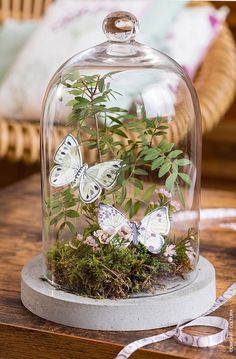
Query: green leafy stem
x=146 y=151
x=61 y=210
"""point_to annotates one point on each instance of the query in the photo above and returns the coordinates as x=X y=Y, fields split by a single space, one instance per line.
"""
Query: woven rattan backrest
x=23 y=9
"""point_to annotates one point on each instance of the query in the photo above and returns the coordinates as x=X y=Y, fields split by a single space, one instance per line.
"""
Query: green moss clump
x=109 y=272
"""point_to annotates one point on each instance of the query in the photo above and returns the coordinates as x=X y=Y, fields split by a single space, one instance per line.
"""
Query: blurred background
x=199 y=35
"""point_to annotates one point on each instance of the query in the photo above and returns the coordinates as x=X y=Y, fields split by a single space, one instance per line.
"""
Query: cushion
x=69 y=27
x=191 y=35
x=13 y=35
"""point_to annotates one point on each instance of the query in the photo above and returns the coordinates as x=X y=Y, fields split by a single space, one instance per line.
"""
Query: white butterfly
x=69 y=170
x=149 y=231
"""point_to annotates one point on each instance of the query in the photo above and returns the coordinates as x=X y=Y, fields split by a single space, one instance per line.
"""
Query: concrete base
x=141 y=313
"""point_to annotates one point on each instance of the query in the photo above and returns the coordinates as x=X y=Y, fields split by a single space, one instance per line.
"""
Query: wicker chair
x=215 y=83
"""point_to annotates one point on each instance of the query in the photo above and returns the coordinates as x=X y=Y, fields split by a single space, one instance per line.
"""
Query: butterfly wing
x=89 y=189
x=105 y=173
x=152 y=228
x=68 y=161
x=61 y=176
x=111 y=220
x=68 y=153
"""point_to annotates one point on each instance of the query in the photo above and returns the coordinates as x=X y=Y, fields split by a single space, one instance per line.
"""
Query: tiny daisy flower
x=125 y=232
x=90 y=241
x=79 y=237
x=189 y=251
x=170 y=251
x=164 y=192
x=102 y=236
x=176 y=205
x=191 y=255
x=188 y=245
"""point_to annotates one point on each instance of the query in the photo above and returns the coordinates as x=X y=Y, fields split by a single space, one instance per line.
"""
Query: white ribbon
x=189 y=339
x=205 y=340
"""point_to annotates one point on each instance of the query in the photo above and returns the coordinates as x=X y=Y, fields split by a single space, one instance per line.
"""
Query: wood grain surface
x=24 y=335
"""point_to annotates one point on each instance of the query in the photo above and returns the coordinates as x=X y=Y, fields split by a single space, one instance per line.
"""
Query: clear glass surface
x=121 y=149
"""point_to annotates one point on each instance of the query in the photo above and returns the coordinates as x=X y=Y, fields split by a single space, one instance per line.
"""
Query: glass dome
x=120 y=184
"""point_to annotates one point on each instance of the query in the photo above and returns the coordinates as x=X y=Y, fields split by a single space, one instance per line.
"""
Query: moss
x=109 y=272
x=88 y=267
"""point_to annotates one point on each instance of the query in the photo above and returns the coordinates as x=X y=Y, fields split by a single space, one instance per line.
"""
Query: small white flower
x=191 y=255
x=102 y=236
x=125 y=232
x=79 y=237
x=170 y=251
x=188 y=245
x=176 y=205
x=164 y=192
x=190 y=251
x=90 y=241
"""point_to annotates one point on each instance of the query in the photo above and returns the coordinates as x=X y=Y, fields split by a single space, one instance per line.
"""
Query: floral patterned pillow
x=191 y=35
x=69 y=27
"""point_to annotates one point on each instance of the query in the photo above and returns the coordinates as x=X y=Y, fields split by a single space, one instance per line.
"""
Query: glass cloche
x=120 y=184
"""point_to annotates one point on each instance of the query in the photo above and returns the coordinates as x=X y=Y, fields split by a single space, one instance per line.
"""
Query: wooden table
x=24 y=335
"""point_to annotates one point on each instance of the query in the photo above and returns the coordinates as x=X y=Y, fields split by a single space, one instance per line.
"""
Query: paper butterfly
x=149 y=231
x=69 y=170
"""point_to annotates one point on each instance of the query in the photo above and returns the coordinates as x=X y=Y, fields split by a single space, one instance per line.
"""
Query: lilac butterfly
x=149 y=231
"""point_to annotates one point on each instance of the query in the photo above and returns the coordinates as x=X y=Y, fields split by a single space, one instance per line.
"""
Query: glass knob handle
x=120 y=26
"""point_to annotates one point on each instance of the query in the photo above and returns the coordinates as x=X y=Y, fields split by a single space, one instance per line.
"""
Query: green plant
x=108 y=268
x=141 y=155
x=61 y=210
x=109 y=271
